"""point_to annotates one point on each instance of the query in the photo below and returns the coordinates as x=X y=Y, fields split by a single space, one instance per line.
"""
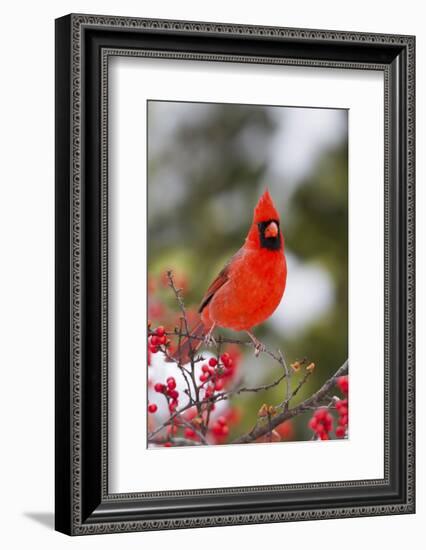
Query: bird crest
x=265 y=209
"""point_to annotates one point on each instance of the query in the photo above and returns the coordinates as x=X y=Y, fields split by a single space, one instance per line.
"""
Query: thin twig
x=181 y=304
x=220 y=340
x=288 y=380
x=301 y=383
x=227 y=395
x=192 y=427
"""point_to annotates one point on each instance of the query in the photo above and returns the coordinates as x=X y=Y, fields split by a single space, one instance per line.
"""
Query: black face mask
x=271 y=243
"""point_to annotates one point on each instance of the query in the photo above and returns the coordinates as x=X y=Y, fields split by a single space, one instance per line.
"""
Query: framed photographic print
x=234 y=274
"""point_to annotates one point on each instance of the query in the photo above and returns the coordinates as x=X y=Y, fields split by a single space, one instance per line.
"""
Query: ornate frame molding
x=73 y=51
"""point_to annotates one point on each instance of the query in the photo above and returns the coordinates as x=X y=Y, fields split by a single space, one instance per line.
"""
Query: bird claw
x=210 y=341
x=258 y=347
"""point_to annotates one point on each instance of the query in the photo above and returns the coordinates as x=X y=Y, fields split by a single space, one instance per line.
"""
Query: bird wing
x=220 y=280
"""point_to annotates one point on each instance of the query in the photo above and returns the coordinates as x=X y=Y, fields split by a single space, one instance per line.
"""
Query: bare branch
x=179 y=299
x=312 y=401
x=227 y=395
x=220 y=340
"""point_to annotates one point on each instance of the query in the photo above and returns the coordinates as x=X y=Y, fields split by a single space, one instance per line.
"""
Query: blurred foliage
x=206 y=170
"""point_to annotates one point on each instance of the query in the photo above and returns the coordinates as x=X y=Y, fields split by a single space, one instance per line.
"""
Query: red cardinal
x=250 y=286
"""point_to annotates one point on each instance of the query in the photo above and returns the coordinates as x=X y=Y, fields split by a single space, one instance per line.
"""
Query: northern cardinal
x=250 y=286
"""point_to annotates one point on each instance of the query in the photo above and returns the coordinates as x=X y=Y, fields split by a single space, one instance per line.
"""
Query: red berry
x=204 y=377
x=190 y=433
x=225 y=358
x=221 y=420
x=229 y=364
x=343 y=420
x=152 y=408
x=168 y=444
x=324 y=436
x=340 y=431
x=320 y=414
x=313 y=423
x=217 y=429
x=220 y=430
x=205 y=368
x=159 y=387
x=154 y=340
x=160 y=331
x=174 y=394
x=285 y=430
x=162 y=340
x=320 y=429
x=219 y=385
x=212 y=362
x=153 y=349
x=171 y=383
x=328 y=422
x=343 y=383
x=328 y=426
x=343 y=411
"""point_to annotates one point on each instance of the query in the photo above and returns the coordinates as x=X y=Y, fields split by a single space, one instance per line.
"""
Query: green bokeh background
x=207 y=166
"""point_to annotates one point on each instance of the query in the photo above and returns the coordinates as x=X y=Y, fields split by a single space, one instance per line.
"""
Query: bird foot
x=258 y=346
x=209 y=339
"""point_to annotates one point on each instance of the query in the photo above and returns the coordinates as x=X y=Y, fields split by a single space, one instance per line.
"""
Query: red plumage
x=250 y=287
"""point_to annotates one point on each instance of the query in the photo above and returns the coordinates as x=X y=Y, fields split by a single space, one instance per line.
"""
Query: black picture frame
x=83 y=45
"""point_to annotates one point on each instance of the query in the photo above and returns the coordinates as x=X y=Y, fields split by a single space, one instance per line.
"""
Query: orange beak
x=271 y=230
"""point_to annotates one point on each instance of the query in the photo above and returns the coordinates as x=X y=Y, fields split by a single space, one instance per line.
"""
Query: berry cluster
x=321 y=423
x=156 y=340
x=343 y=384
x=169 y=390
x=342 y=407
x=216 y=373
x=220 y=429
x=342 y=410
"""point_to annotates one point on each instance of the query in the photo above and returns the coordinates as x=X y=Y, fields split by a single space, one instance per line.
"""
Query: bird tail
x=189 y=346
